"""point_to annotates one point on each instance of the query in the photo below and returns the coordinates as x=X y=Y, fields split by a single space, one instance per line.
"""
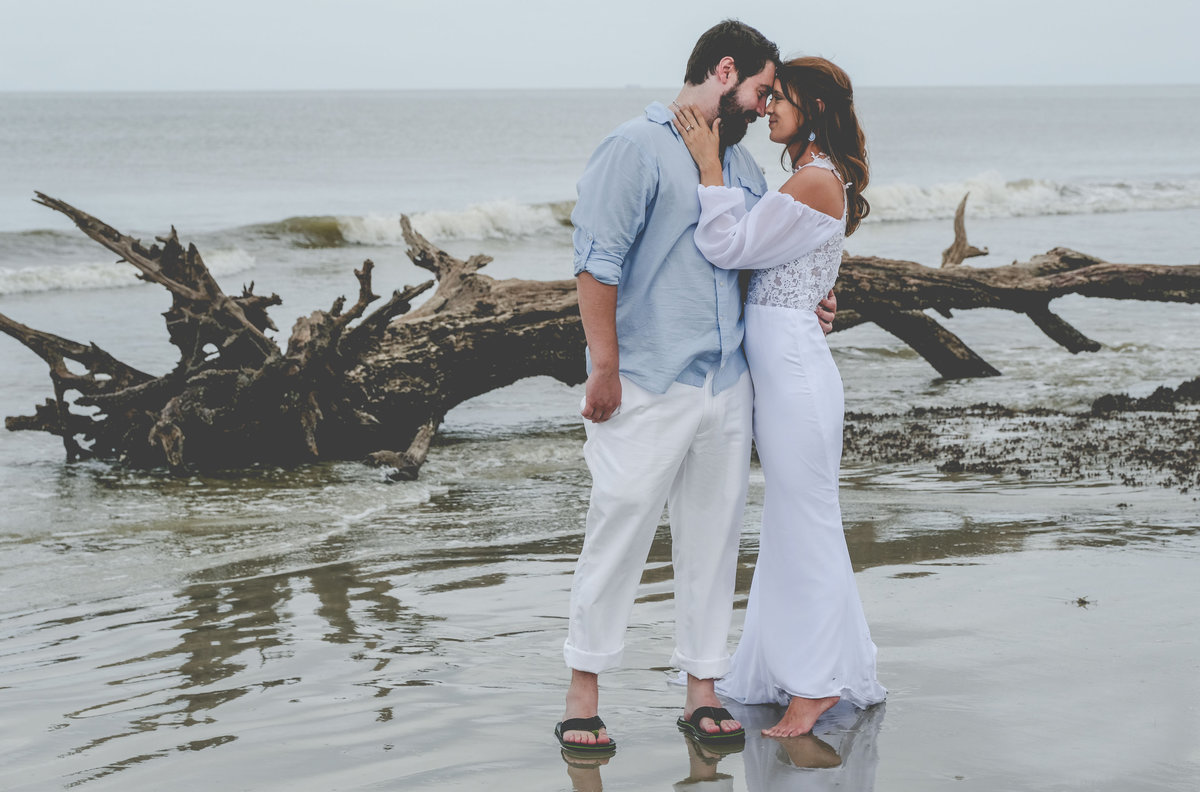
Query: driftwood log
x=353 y=384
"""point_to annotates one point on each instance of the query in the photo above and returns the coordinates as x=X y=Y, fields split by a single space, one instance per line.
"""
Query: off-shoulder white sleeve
x=777 y=230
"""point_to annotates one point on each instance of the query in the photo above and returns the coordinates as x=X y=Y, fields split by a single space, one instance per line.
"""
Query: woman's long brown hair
x=804 y=81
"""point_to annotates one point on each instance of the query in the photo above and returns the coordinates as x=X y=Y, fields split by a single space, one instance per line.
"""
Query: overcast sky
x=441 y=44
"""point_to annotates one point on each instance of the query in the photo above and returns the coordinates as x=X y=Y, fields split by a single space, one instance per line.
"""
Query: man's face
x=743 y=103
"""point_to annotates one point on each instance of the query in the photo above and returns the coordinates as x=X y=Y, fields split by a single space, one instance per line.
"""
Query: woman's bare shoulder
x=817 y=188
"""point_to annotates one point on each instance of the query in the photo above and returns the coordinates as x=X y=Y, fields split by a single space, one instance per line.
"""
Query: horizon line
x=627 y=87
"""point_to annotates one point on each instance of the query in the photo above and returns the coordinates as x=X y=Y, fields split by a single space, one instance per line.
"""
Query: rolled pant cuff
x=591 y=662
x=701 y=669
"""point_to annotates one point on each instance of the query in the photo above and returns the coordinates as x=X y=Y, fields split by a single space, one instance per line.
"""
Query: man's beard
x=734 y=118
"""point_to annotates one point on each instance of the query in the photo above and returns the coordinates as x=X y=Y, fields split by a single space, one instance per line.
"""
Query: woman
x=805 y=642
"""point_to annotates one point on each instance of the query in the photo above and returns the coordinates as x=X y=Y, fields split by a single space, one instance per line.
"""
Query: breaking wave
x=104 y=275
x=493 y=220
x=993 y=196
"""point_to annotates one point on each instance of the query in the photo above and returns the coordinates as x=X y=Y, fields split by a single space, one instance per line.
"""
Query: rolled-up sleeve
x=616 y=187
x=778 y=229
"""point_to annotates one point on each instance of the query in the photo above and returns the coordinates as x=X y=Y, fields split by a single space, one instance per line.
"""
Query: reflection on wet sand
x=871 y=545
x=702 y=766
x=223 y=628
x=840 y=753
x=219 y=622
x=584 y=772
x=250 y=617
x=807 y=750
x=352 y=649
x=247 y=620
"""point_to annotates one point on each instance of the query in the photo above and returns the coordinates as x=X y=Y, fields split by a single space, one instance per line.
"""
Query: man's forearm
x=598 y=310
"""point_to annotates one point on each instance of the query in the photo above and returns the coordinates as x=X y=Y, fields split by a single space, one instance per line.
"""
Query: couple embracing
x=670 y=208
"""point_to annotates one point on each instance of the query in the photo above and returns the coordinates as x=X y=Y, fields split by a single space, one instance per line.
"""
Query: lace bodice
x=802 y=282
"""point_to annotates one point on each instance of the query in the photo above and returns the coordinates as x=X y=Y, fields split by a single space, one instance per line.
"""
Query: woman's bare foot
x=583 y=700
x=701 y=693
x=800 y=717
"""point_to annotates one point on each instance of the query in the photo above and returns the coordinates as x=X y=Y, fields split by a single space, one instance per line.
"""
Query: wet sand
x=1137 y=441
x=1032 y=637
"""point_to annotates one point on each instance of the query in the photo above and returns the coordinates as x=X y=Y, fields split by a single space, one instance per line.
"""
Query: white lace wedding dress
x=805 y=632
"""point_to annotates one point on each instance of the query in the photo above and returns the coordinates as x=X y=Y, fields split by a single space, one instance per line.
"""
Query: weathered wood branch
x=458 y=285
x=1060 y=331
x=202 y=315
x=942 y=349
x=874 y=287
x=473 y=335
x=353 y=384
x=960 y=249
x=105 y=376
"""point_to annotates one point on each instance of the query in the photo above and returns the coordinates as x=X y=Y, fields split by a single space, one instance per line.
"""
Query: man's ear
x=726 y=70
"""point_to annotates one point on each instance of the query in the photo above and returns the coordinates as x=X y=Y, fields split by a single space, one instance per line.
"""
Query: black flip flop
x=691 y=727
x=592 y=724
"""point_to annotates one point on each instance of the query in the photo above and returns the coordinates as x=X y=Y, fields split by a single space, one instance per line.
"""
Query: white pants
x=689 y=449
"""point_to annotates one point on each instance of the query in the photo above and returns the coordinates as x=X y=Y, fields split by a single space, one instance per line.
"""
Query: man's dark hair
x=750 y=50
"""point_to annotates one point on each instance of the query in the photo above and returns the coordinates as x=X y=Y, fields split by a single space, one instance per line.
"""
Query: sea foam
x=104 y=275
x=993 y=196
x=492 y=220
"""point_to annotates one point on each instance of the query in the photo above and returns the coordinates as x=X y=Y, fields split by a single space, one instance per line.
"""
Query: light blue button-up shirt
x=678 y=317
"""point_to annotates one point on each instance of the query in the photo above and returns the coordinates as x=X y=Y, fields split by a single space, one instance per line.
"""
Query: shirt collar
x=659 y=113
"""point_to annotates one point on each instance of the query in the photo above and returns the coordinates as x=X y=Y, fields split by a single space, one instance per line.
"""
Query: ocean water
x=153 y=625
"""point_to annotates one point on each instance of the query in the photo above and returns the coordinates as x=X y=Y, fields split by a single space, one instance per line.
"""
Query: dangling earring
x=812 y=136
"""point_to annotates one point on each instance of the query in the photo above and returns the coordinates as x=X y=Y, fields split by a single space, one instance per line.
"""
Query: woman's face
x=783 y=118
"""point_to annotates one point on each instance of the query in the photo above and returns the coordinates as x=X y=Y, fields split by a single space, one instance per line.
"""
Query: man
x=668 y=398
